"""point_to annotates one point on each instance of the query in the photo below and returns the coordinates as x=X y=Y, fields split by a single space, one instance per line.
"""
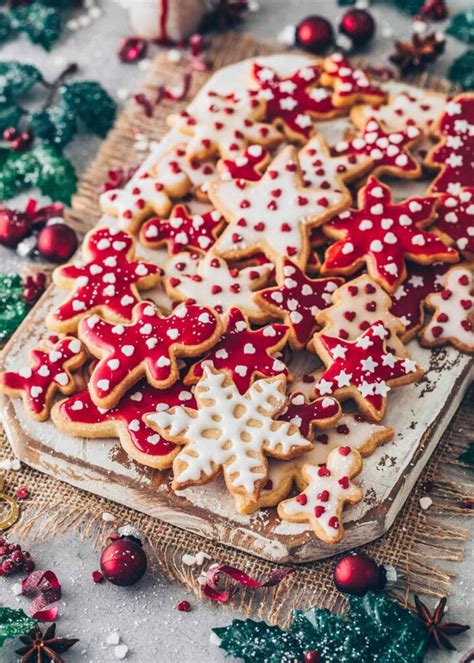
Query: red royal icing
x=455 y=218
x=307 y=415
x=247 y=167
x=244 y=353
x=108 y=281
x=380 y=233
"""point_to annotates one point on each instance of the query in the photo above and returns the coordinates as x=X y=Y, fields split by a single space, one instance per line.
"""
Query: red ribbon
x=44 y=588
x=212 y=590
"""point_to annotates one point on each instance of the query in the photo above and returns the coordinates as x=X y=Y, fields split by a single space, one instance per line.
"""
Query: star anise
x=412 y=56
x=43 y=647
x=438 y=632
x=224 y=14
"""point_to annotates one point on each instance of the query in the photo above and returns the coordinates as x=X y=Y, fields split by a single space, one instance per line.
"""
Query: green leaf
x=468 y=455
x=13 y=308
x=14 y=623
x=462 y=26
x=10 y=115
x=42 y=25
x=5 y=27
x=17 y=78
x=55 y=126
x=92 y=105
x=461 y=71
x=375 y=629
x=54 y=176
x=11 y=173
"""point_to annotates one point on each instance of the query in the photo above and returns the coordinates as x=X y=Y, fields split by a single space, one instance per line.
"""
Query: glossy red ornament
x=311 y=656
x=14 y=226
x=358 y=25
x=132 y=49
x=359 y=573
x=184 y=606
x=315 y=34
x=434 y=10
x=57 y=242
x=123 y=561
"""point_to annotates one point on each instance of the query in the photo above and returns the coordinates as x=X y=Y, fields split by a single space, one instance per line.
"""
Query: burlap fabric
x=418 y=544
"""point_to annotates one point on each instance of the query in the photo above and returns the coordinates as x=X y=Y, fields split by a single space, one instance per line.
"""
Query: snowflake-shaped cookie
x=350 y=84
x=49 y=373
x=363 y=369
x=453 y=311
x=454 y=155
x=295 y=101
x=297 y=300
x=409 y=298
x=149 y=346
x=381 y=234
x=244 y=354
x=272 y=215
x=357 y=305
x=106 y=282
x=329 y=488
x=389 y=151
x=215 y=284
x=183 y=230
x=225 y=126
x=455 y=219
x=80 y=416
x=230 y=432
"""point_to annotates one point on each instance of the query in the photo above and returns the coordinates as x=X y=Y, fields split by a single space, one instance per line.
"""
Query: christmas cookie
x=454 y=155
x=453 y=312
x=351 y=429
x=230 y=432
x=244 y=354
x=180 y=175
x=363 y=370
x=273 y=215
x=106 y=282
x=389 y=151
x=225 y=126
x=297 y=300
x=408 y=299
x=320 y=170
x=215 y=284
x=294 y=102
x=455 y=220
x=49 y=373
x=248 y=166
x=80 y=416
x=149 y=345
x=329 y=489
x=183 y=230
x=350 y=84
x=357 y=305
x=381 y=234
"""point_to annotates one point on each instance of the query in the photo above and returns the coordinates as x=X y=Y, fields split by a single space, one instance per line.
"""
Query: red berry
x=17 y=556
x=184 y=606
x=97 y=576
x=29 y=566
x=22 y=493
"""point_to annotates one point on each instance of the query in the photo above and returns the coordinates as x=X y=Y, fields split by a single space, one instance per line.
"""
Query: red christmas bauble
x=57 y=242
x=359 y=573
x=311 y=656
x=315 y=34
x=14 y=226
x=434 y=10
x=358 y=25
x=123 y=562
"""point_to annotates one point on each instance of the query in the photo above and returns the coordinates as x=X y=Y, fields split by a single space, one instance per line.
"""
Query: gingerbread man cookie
x=106 y=282
x=183 y=230
x=149 y=346
x=215 y=284
x=294 y=102
x=358 y=304
x=274 y=214
x=455 y=220
x=381 y=234
x=50 y=372
x=225 y=126
x=80 y=416
x=454 y=155
x=363 y=370
x=230 y=432
x=329 y=488
x=453 y=312
x=244 y=354
x=389 y=151
x=297 y=300
x=350 y=84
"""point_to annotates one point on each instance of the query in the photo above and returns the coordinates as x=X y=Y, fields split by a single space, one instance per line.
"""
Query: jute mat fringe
x=419 y=543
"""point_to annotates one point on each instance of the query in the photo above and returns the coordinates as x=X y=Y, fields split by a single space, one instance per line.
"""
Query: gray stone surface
x=145 y=616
